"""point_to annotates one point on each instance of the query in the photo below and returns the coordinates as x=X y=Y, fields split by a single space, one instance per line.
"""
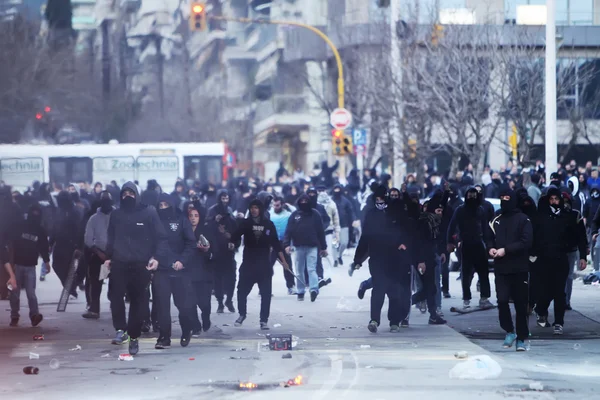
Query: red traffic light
x=197 y=8
x=47 y=109
x=38 y=116
x=336 y=133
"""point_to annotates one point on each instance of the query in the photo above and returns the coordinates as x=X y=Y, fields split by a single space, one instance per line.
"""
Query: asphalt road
x=335 y=354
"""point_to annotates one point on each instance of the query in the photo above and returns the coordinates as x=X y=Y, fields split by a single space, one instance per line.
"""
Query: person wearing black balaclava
x=150 y=195
x=171 y=278
x=387 y=244
x=509 y=239
x=470 y=222
x=551 y=245
x=305 y=232
x=260 y=238
x=527 y=205
x=425 y=256
x=95 y=239
x=137 y=242
x=66 y=237
x=30 y=241
x=10 y=216
x=221 y=215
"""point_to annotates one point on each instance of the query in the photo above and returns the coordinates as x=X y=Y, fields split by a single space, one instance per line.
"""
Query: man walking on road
x=95 y=238
x=508 y=241
x=305 y=232
x=260 y=236
x=171 y=278
x=136 y=243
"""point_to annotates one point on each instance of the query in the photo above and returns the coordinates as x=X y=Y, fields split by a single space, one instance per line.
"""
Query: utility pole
x=550 y=121
x=106 y=61
x=395 y=125
x=161 y=87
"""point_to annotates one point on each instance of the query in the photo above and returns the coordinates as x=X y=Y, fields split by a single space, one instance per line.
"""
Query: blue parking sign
x=360 y=137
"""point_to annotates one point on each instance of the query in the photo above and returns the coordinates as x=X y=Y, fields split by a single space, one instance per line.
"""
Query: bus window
x=203 y=168
x=164 y=169
x=119 y=169
x=20 y=173
x=66 y=170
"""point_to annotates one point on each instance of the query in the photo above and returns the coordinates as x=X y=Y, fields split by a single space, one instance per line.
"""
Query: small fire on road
x=246 y=386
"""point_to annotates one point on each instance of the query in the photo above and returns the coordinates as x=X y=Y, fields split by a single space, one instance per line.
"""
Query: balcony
x=282 y=113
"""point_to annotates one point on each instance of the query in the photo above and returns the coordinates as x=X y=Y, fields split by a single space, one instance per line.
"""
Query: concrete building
x=274 y=85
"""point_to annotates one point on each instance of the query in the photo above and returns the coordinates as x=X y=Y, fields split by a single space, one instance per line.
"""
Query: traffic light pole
x=334 y=50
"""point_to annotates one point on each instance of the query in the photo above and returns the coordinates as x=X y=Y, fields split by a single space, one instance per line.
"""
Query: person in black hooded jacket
x=170 y=279
x=427 y=234
x=527 y=205
x=387 y=244
x=469 y=221
x=551 y=245
x=66 y=237
x=220 y=215
x=137 y=243
x=509 y=240
x=150 y=195
x=260 y=238
x=202 y=269
x=30 y=241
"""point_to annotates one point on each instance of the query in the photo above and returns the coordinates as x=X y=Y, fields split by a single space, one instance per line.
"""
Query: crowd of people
x=182 y=245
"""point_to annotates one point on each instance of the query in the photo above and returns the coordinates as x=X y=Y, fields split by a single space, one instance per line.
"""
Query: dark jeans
x=515 y=287
x=3 y=279
x=474 y=259
x=131 y=279
x=552 y=287
x=398 y=292
x=264 y=280
x=180 y=287
x=428 y=289
x=25 y=280
x=225 y=274
x=289 y=278
x=93 y=286
x=202 y=292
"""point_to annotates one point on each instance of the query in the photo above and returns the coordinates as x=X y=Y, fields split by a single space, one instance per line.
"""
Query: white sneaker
x=292 y=291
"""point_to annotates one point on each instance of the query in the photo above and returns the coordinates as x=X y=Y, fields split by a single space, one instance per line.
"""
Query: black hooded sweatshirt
x=181 y=237
x=551 y=230
x=260 y=236
x=512 y=231
x=222 y=229
x=305 y=227
x=470 y=221
x=68 y=229
x=201 y=266
x=345 y=208
x=30 y=239
x=136 y=235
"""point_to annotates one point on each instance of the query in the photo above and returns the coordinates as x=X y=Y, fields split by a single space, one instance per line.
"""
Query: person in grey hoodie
x=95 y=239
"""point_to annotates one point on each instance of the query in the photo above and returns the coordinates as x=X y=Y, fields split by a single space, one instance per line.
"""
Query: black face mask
x=497 y=181
x=165 y=213
x=472 y=202
x=304 y=206
x=34 y=218
x=105 y=205
x=337 y=195
x=128 y=203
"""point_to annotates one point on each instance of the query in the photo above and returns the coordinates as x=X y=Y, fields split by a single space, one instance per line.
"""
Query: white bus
x=22 y=164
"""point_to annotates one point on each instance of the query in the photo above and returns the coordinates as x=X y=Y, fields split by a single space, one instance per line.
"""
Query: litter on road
x=461 y=355
x=76 y=348
x=286 y=356
x=537 y=386
x=54 y=364
x=479 y=367
x=34 y=356
x=125 y=357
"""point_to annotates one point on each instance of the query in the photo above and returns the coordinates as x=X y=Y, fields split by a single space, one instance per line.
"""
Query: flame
x=298 y=380
x=248 y=385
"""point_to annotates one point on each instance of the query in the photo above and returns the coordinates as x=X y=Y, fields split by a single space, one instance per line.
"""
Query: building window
x=568 y=12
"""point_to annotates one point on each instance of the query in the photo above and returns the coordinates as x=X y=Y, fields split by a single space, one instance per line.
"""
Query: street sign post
x=360 y=137
x=340 y=118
